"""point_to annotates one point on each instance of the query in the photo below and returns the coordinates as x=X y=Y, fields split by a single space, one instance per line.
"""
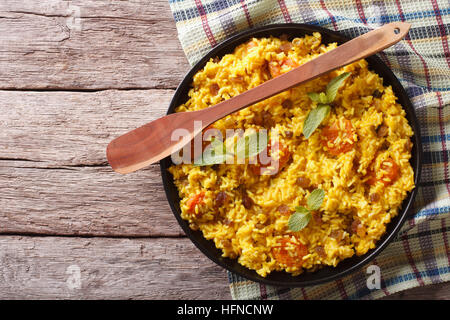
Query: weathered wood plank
x=89 y=44
x=72 y=128
x=46 y=268
x=54 y=177
x=431 y=292
x=90 y=201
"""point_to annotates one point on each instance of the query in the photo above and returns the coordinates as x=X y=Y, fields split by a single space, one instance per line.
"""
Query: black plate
x=328 y=273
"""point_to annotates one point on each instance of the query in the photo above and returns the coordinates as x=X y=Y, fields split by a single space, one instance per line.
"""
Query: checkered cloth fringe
x=420 y=253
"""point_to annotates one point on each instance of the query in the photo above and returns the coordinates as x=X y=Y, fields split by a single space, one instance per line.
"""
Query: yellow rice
x=250 y=235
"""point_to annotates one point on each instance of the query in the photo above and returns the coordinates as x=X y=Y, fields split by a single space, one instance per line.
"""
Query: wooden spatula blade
x=153 y=141
x=149 y=143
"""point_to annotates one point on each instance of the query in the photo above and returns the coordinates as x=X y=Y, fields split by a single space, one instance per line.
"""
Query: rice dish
x=359 y=156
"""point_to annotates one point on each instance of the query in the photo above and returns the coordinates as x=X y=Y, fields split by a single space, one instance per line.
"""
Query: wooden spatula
x=153 y=141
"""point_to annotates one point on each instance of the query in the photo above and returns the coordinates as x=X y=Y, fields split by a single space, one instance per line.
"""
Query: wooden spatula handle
x=153 y=141
x=351 y=51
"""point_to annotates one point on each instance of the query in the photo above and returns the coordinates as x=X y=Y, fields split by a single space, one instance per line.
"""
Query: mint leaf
x=314 y=96
x=315 y=199
x=214 y=153
x=211 y=159
x=299 y=219
x=301 y=209
x=251 y=144
x=334 y=85
x=314 y=119
x=323 y=99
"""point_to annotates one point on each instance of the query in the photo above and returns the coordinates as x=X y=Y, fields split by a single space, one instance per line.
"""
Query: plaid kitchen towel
x=420 y=253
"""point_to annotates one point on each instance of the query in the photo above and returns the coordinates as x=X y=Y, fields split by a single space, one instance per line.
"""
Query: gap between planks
x=89 y=45
x=79 y=268
x=54 y=177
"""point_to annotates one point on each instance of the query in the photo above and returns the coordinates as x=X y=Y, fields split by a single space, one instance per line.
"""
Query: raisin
x=382 y=131
x=374 y=197
x=320 y=251
x=284 y=209
x=247 y=201
x=287 y=104
x=377 y=94
x=303 y=182
x=214 y=89
x=220 y=199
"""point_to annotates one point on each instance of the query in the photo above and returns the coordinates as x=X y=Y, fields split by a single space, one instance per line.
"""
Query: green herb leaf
x=315 y=199
x=250 y=144
x=314 y=119
x=323 y=98
x=334 y=85
x=299 y=219
x=215 y=153
x=301 y=210
x=314 y=96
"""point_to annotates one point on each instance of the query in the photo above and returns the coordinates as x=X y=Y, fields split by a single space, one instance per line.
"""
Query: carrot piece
x=290 y=253
x=391 y=172
x=283 y=158
x=194 y=201
x=289 y=62
x=274 y=69
x=331 y=134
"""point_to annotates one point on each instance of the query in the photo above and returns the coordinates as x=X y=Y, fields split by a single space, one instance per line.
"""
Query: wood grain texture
x=89 y=44
x=54 y=178
x=43 y=268
x=136 y=149
x=88 y=201
x=431 y=292
x=72 y=128
x=40 y=268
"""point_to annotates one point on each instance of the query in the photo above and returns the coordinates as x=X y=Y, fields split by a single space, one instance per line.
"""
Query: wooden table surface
x=74 y=75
